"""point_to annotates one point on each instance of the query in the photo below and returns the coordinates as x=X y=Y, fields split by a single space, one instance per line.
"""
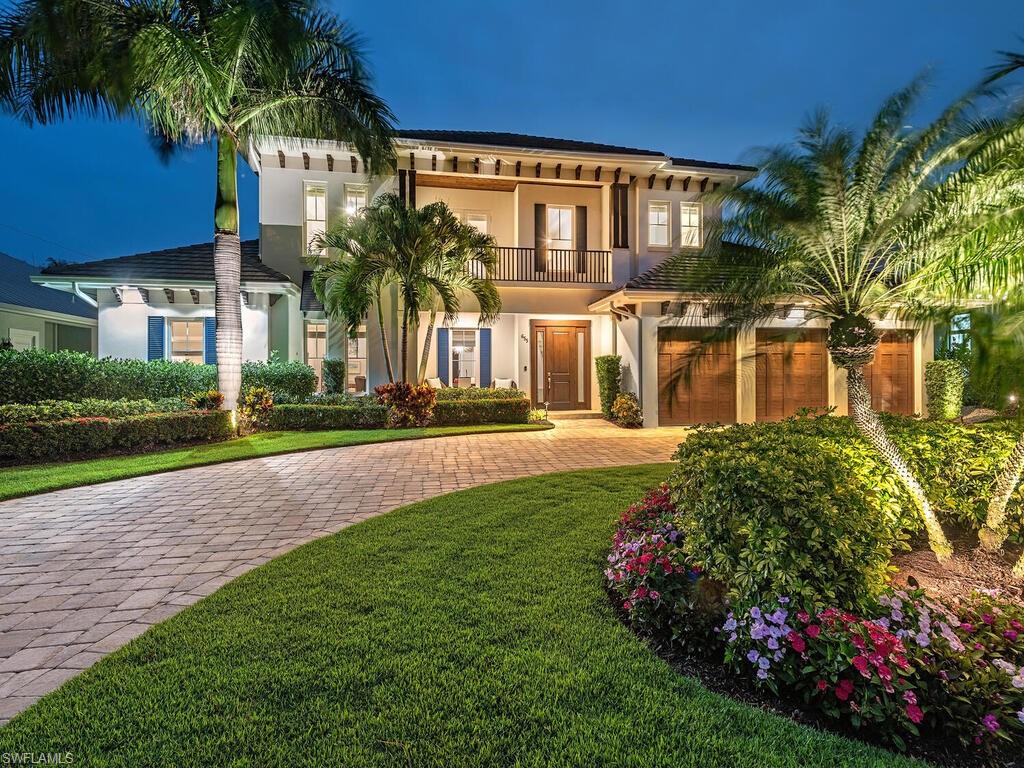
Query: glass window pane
x=581 y=369
x=690 y=215
x=187 y=340
x=540 y=366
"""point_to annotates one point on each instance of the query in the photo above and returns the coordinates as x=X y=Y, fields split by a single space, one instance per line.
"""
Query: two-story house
x=596 y=247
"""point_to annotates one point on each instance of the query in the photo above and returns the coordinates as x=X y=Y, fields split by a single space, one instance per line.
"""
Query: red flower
x=804 y=616
x=797 y=642
x=884 y=672
x=861 y=665
x=822 y=685
x=914 y=713
x=858 y=642
x=844 y=689
x=813 y=631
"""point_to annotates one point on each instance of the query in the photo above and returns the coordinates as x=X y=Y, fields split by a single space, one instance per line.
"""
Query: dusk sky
x=699 y=79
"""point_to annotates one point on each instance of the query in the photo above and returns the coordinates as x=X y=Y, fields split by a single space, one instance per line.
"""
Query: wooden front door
x=792 y=373
x=890 y=377
x=702 y=392
x=560 y=363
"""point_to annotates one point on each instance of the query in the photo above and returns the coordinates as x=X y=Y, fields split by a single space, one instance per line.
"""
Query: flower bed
x=68 y=438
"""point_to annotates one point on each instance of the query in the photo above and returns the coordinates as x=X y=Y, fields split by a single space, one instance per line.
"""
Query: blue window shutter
x=210 y=340
x=442 y=355
x=155 y=342
x=485 y=357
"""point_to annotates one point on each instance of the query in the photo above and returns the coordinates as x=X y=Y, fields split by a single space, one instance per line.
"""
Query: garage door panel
x=695 y=392
x=792 y=373
x=890 y=376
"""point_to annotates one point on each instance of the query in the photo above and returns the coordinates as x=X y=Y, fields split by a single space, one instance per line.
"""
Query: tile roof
x=524 y=141
x=17 y=289
x=693 y=163
x=188 y=262
x=309 y=302
x=688 y=272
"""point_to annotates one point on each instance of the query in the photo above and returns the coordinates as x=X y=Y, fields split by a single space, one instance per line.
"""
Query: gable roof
x=188 y=262
x=17 y=289
x=523 y=141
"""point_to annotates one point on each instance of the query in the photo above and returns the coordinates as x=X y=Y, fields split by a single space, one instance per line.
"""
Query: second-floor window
x=560 y=227
x=355 y=198
x=657 y=224
x=315 y=212
x=478 y=221
x=690 y=222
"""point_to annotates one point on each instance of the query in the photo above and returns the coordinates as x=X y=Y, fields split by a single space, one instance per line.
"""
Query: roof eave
x=67 y=283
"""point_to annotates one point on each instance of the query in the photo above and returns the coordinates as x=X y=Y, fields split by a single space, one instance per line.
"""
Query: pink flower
x=1010 y=635
x=968 y=628
x=861 y=665
x=915 y=713
x=910 y=697
x=884 y=672
x=797 y=642
x=990 y=722
x=813 y=631
x=822 y=685
x=988 y=618
x=844 y=689
x=804 y=616
x=627 y=605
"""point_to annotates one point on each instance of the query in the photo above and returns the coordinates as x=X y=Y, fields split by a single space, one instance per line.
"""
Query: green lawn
x=469 y=630
x=37 y=478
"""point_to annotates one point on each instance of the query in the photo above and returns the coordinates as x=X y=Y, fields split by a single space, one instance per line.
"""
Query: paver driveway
x=85 y=570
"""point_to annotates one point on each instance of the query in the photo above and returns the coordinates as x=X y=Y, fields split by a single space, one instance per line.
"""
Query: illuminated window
x=316 y=348
x=690 y=217
x=357 y=362
x=355 y=198
x=316 y=214
x=187 y=340
x=463 y=356
x=560 y=227
x=657 y=224
x=478 y=221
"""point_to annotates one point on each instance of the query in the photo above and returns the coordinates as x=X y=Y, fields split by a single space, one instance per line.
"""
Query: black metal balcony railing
x=552 y=265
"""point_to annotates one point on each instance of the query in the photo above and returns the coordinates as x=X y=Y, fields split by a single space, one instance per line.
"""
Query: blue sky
x=699 y=79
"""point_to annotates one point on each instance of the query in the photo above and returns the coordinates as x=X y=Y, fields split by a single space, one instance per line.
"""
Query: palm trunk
x=405 y=344
x=426 y=347
x=227 y=274
x=994 y=532
x=871 y=427
x=384 y=342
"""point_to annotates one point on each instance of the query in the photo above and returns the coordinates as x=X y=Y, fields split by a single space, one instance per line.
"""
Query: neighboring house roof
x=523 y=141
x=188 y=262
x=687 y=271
x=309 y=302
x=17 y=289
x=692 y=163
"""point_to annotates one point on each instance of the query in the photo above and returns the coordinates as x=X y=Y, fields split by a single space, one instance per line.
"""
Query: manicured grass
x=37 y=478
x=469 y=630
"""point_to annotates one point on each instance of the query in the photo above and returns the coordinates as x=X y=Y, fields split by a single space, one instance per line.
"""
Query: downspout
x=625 y=314
x=83 y=295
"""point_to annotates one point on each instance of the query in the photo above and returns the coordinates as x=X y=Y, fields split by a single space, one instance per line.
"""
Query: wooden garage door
x=708 y=395
x=890 y=376
x=792 y=373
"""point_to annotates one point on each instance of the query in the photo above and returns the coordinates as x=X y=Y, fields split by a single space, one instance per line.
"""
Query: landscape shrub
x=479 y=393
x=334 y=375
x=537 y=416
x=55 y=410
x=626 y=411
x=767 y=509
x=206 y=400
x=609 y=378
x=944 y=384
x=314 y=417
x=659 y=587
x=409 y=405
x=460 y=412
x=35 y=375
x=255 y=406
x=917 y=664
x=78 y=437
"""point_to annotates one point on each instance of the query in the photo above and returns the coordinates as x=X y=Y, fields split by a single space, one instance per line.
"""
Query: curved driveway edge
x=85 y=570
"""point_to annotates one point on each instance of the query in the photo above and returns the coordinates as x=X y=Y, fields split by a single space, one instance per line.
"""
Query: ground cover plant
x=514 y=654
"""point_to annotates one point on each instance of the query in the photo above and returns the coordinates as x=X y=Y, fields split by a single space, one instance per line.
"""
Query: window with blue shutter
x=155 y=341
x=442 y=355
x=210 y=340
x=485 y=357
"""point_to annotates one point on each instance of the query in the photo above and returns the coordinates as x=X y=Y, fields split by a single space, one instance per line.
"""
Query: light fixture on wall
x=524 y=338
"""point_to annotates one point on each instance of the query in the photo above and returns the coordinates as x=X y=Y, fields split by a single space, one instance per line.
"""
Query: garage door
x=792 y=373
x=890 y=377
x=708 y=394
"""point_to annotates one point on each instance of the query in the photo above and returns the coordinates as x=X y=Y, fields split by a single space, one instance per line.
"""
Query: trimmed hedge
x=57 y=410
x=609 y=381
x=479 y=393
x=313 y=417
x=451 y=413
x=35 y=375
x=51 y=440
x=944 y=382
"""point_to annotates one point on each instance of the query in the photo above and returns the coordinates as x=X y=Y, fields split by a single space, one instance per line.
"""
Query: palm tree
x=427 y=253
x=854 y=230
x=198 y=71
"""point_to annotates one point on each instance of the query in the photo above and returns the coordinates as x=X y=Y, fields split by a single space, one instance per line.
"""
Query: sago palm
x=854 y=229
x=427 y=254
x=197 y=71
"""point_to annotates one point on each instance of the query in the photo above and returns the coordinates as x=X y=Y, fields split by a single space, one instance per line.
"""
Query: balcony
x=552 y=265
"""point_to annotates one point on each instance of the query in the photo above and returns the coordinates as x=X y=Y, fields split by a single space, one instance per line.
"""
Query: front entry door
x=560 y=352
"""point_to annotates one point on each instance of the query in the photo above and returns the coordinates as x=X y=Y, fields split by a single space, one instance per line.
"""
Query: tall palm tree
x=197 y=71
x=853 y=230
x=430 y=256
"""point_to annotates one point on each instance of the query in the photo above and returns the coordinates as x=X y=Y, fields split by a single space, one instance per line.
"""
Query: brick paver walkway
x=85 y=570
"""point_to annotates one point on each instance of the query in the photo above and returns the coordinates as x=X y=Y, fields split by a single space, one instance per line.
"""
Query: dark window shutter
x=442 y=355
x=155 y=343
x=581 y=238
x=210 y=340
x=485 y=357
x=620 y=216
x=540 y=237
